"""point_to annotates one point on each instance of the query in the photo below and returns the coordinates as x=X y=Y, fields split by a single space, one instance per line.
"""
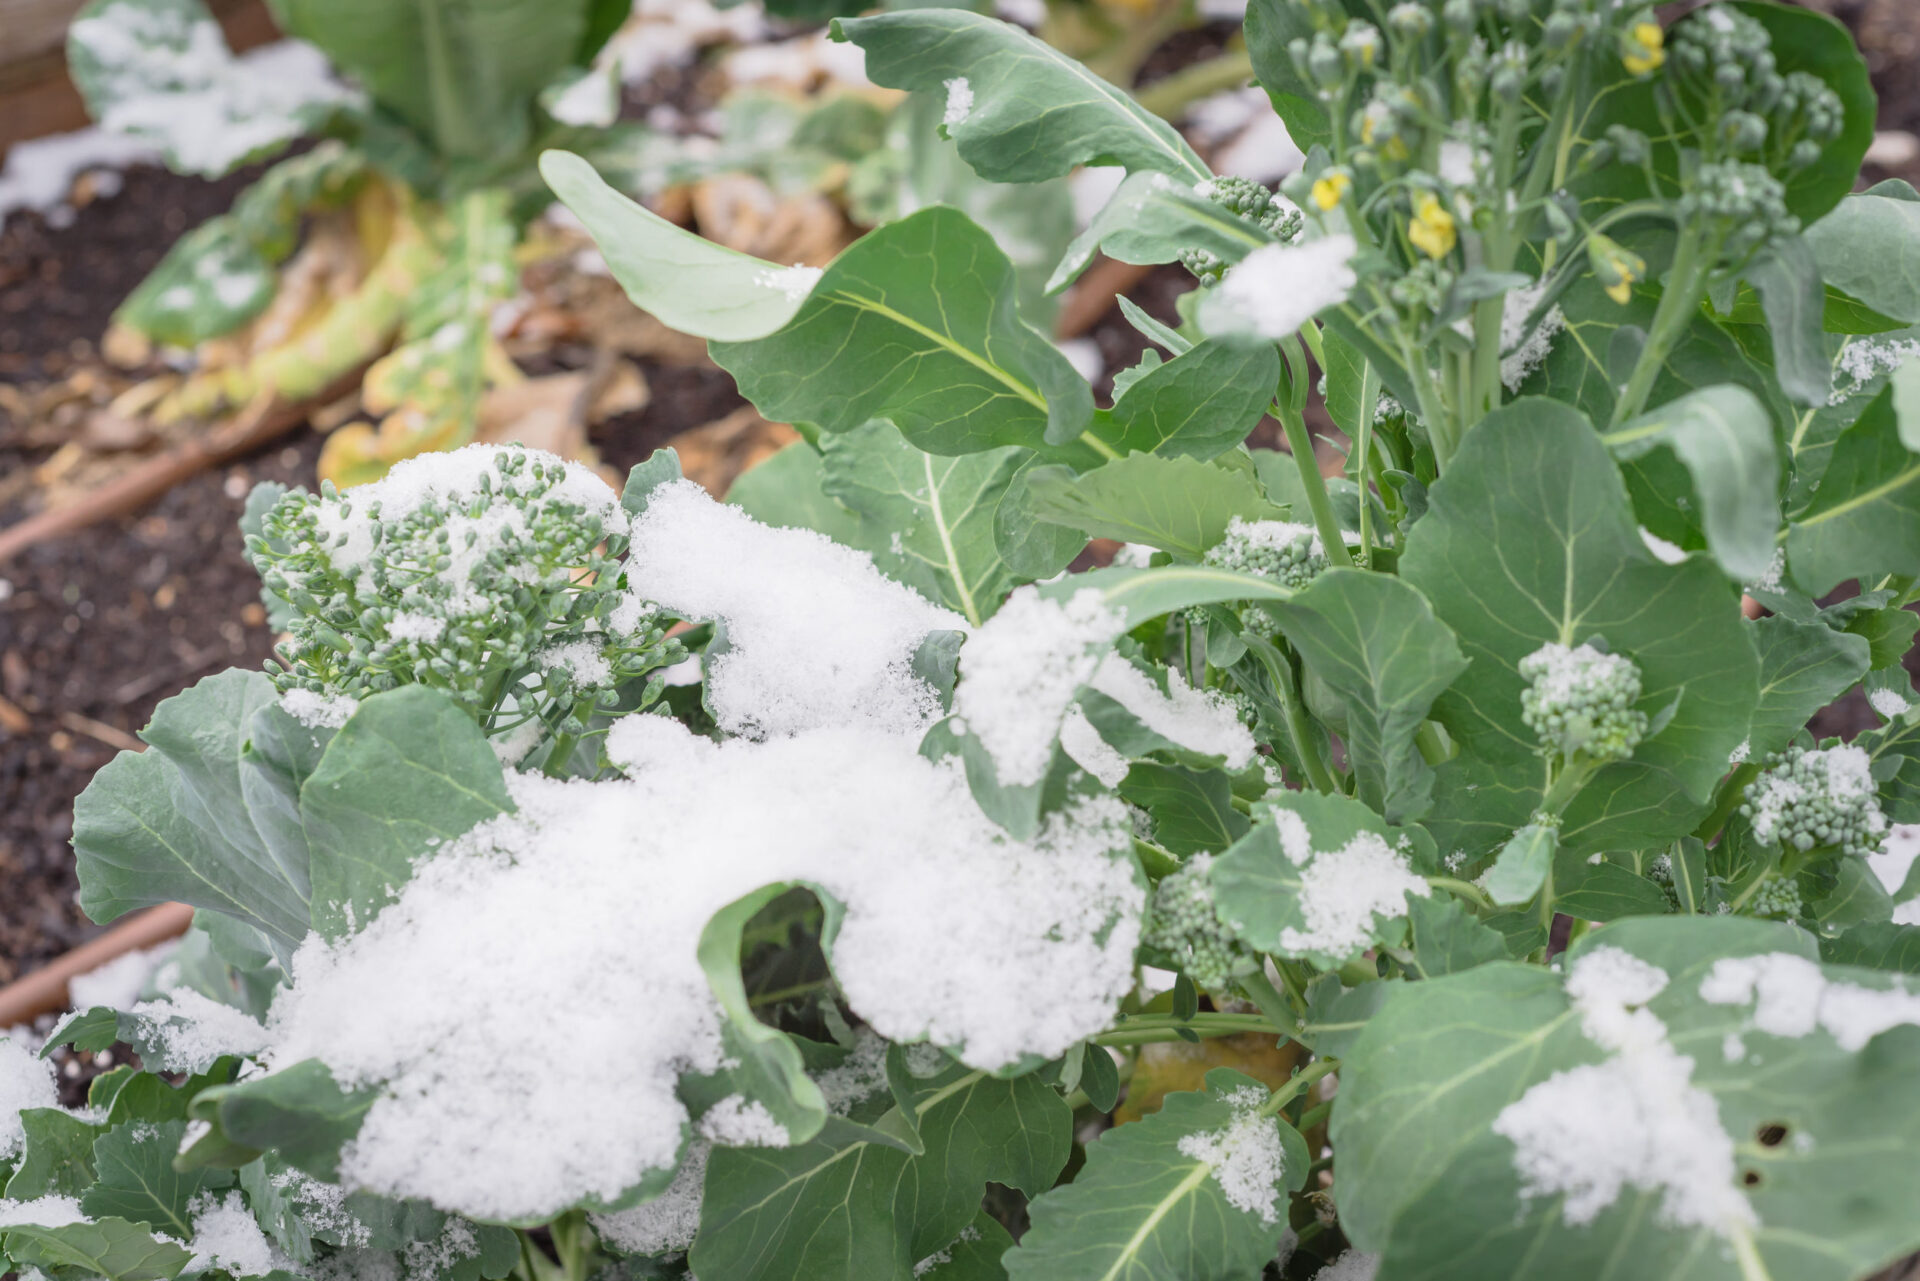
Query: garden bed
x=170 y=583
x=1061 y=898
x=98 y=626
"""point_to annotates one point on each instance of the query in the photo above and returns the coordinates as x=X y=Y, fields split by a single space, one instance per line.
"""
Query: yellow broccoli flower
x=1433 y=230
x=1645 y=48
x=1617 y=268
x=1329 y=191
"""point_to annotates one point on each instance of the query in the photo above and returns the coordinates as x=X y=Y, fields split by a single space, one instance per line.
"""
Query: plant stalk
x=1169 y=97
x=1324 y=520
x=1302 y=1079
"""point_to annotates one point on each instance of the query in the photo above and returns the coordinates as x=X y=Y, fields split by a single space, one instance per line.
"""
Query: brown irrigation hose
x=45 y=990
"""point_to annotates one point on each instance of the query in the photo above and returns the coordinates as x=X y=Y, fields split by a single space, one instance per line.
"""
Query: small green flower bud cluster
x=1424 y=288
x=1243 y=706
x=1776 y=899
x=1748 y=203
x=1410 y=21
x=1184 y=922
x=1247 y=200
x=1660 y=872
x=1621 y=142
x=500 y=589
x=1817 y=799
x=1282 y=551
x=1580 y=701
x=1723 y=58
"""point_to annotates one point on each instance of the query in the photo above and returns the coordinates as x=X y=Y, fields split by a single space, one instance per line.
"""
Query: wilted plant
x=421 y=186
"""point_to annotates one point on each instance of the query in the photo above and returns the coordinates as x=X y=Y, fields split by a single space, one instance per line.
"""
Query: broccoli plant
x=418 y=190
x=1437 y=855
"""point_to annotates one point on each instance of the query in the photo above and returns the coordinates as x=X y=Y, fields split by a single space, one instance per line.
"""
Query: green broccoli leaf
x=1530 y=541
x=917 y=322
x=137 y=1180
x=1724 y=437
x=1019 y=109
x=1179 y=505
x=408 y=772
x=172 y=824
x=1376 y=642
x=838 y=1207
x=1192 y=810
x=1480 y=1127
x=110 y=1248
x=1322 y=877
x=1193 y=1192
x=1864 y=520
x=928 y=520
x=1803 y=667
x=56 y=1158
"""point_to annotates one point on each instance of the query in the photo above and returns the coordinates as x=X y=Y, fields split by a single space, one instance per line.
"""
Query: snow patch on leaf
x=1342 y=890
x=1019 y=674
x=1791 y=997
x=953 y=932
x=1246 y=1157
x=1635 y=1119
x=25 y=1082
x=816 y=635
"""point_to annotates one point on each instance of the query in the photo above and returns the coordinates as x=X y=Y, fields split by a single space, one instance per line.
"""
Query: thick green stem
x=1363 y=457
x=1732 y=792
x=1465 y=889
x=1433 y=415
x=1328 y=525
x=1171 y=96
x=1299 y=728
x=1572 y=776
x=1147 y=1029
x=560 y=753
x=1693 y=258
x=1282 y=1012
x=1314 y=1115
x=1293 y=1089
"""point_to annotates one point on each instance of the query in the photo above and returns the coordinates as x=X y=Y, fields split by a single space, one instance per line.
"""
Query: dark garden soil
x=97 y=627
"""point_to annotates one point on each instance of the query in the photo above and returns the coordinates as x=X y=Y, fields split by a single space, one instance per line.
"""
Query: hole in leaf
x=1773 y=1134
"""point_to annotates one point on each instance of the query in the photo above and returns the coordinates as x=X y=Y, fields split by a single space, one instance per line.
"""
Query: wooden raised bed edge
x=36 y=95
x=44 y=991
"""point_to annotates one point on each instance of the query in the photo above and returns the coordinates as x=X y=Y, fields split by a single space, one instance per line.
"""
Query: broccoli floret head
x=1748 y=203
x=1821 y=798
x=489 y=573
x=1776 y=899
x=1580 y=701
x=1185 y=923
x=1660 y=872
x=1286 y=553
x=1247 y=200
x=1724 y=59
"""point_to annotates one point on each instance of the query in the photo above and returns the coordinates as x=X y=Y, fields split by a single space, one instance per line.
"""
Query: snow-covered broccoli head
x=1247 y=200
x=1817 y=798
x=471 y=571
x=1286 y=553
x=1185 y=924
x=1580 y=701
